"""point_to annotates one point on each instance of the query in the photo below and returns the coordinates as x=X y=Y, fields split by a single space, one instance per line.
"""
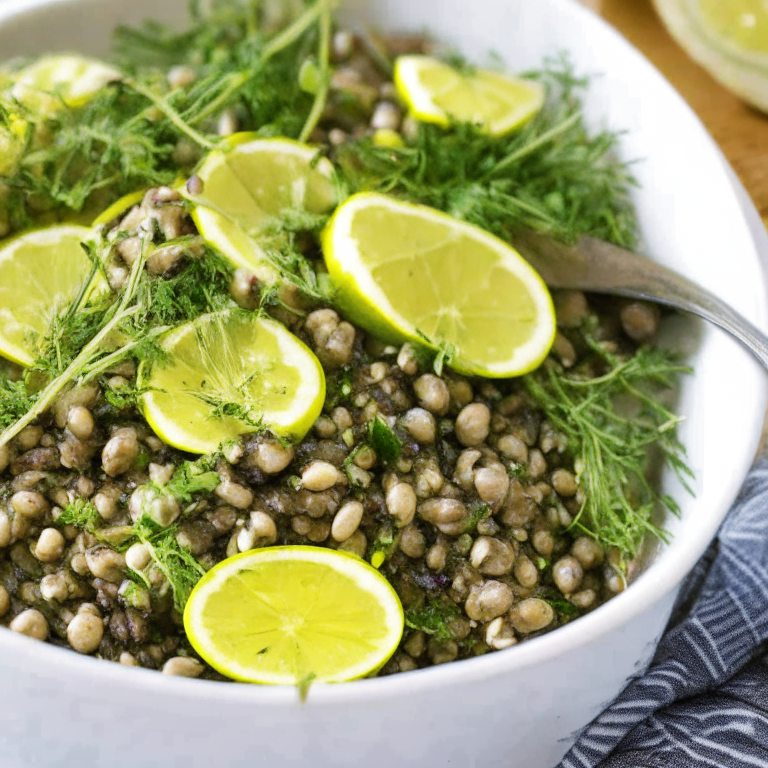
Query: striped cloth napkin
x=703 y=702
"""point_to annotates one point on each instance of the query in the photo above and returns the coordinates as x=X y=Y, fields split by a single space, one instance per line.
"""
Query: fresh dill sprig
x=176 y=563
x=15 y=401
x=613 y=420
x=281 y=237
x=139 y=132
x=82 y=514
x=191 y=478
x=553 y=175
x=434 y=618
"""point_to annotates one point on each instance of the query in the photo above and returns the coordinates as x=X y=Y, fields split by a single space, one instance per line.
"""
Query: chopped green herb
x=383 y=546
x=82 y=514
x=477 y=512
x=383 y=440
x=434 y=618
x=176 y=563
x=563 y=608
x=609 y=445
x=189 y=479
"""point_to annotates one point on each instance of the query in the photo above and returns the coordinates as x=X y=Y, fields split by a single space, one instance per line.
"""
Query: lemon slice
x=408 y=272
x=284 y=615
x=229 y=373
x=436 y=93
x=40 y=272
x=61 y=80
x=743 y=23
x=248 y=181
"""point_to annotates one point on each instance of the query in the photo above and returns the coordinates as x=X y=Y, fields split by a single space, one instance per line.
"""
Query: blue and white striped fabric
x=703 y=702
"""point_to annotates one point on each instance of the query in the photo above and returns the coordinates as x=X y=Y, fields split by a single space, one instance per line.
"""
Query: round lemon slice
x=742 y=23
x=288 y=615
x=408 y=272
x=229 y=373
x=60 y=80
x=436 y=93
x=249 y=180
x=40 y=272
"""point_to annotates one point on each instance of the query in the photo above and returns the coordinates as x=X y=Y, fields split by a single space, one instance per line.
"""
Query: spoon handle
x=600 y=267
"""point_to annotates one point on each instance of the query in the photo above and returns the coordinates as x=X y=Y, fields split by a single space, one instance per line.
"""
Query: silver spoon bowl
x=600 y=267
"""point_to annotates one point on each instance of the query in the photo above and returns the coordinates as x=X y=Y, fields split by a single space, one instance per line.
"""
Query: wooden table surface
x=741 y=132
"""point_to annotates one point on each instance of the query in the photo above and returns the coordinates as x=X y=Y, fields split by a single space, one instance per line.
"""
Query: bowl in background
x=735 y=54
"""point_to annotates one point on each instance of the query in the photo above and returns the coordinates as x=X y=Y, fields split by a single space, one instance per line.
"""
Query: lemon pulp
x=230 y=373
x=743 y=23
x=410 y=272
x=40 y=272
x=282 y=615
x=250 y=180
x=437 y=92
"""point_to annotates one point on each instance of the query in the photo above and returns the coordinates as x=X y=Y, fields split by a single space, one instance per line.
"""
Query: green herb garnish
x=434 y=618
x=611 y=444
x=177 y=564
x=551 y=175
x=383 y=439
x=82 y=514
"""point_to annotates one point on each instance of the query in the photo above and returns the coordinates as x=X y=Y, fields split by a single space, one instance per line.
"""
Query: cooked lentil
x=469 y=522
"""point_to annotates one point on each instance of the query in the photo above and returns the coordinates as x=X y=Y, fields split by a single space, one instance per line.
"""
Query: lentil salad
x=469 y=495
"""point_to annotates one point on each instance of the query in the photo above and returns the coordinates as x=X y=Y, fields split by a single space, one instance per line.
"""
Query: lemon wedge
x=60 y=80
x=248 y=181
x=408 y=272
x=229 y=373
x=40 y=272
x=437 y=93
x=285 y=615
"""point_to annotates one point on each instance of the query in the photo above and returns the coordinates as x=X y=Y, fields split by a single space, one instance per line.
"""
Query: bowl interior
x=690 y=215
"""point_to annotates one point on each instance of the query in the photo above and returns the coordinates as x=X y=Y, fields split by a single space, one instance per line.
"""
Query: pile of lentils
x=469 y=522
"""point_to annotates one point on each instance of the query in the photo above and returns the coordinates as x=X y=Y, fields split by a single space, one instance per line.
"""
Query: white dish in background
x=517 y=708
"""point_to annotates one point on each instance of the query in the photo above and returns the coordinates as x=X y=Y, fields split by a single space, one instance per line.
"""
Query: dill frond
x=613 y=421
x=82 y=514
x=191 y=478
x=138 y=132
x=15 y=401
x=552 y=175
x=177 y=564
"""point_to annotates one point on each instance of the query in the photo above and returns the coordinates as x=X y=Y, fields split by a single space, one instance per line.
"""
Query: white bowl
x=517 y=708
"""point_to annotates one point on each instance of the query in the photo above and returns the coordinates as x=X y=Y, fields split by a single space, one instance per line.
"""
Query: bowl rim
x=658 y=581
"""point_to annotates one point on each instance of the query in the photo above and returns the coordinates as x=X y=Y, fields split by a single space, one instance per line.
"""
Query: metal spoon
x=600 y=267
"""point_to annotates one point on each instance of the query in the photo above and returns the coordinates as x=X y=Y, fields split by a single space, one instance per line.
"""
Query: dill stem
x=54 y=388
x=527 y=149
x=236 y=82
x=89 y=372
x=293 y=32
x=171 y=114
x=323 y=56
x=51 y=392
